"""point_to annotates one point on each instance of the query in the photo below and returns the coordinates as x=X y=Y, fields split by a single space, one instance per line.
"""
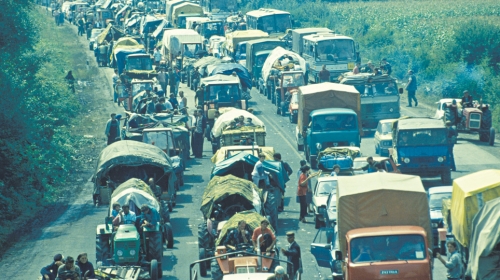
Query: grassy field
x=451 y=45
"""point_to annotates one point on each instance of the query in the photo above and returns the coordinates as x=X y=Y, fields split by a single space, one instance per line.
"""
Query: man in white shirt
x=157 y=56
x=258 y=172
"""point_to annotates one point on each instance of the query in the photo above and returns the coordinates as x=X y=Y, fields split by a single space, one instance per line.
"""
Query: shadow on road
x=181 y=227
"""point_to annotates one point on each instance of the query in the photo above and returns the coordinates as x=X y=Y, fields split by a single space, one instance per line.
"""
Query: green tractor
x=123 y=249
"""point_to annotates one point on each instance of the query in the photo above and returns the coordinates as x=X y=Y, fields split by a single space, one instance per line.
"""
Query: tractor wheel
x=102 y=249
x=153 y=270
x=446 y=177
x=492 y=136
x=170 y=207
x=215 y=270
x=165 y=215
x=203 y=235
x=268 y=92
x=278 y=111
x=271 y=208
x=155 y=245
x=169 y=235
x=203 y=265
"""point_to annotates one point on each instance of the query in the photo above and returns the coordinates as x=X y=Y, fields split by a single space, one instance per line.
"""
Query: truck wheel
x=446 y=177
x=203 y=265
x=273 y=99
x=102 y=249
x=492 y=136
x=215 y=270
x=169 y=235
x=170 y=207
x=203 y=235
x=283 y=110
x=153 y=270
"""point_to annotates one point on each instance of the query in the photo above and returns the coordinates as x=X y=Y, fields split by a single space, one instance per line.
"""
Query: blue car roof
x=420 y=123
x=328 y=111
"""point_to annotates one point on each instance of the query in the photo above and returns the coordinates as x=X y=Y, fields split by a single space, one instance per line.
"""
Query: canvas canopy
x=275 y=55
x=236 y=37
x=229 y=68
x=148 y=22
x=130 y=153
x=174 y=38
x=484 y=259
x=381 y=199
x=252 y=219
x=232 y=189
x=446 y=213
x=220 y=79
x=127 y=44
x=226 y=118
x=241 y=165
x=136 y=191
x=470 y=193
x=107 y=34
x=221 y=153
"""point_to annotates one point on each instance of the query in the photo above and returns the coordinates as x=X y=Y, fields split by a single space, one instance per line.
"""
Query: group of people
x=62 y=268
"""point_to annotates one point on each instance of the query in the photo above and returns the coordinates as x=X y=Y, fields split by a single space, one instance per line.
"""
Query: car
x=326 y=250
x=93 y=37
x=383 y=137
x=388 y=164
x=322 y=190
x=436 y=196
x=293 y=107
x=441 y=106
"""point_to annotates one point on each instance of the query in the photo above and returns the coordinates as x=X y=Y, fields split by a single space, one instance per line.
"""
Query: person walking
x=157 y=56
x=454 y=263
x=451 y=134
x=199 y=97
x=115 y=79
x=288 y=170
x=171 y=81
x=183 y=102
x=89 y=31
x=112 y=129
x=162 y=78
x=200 y=125
x=302 y=192
x=81 y=27
x=411 y=87
x=324 y=75
x=71 y=80
x=292 y=254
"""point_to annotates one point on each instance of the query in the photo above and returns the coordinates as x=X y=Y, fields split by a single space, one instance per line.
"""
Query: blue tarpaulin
x=241 y=165
x=229 y=68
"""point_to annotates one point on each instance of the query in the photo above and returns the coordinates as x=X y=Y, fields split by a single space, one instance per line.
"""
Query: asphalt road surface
x=74 y=231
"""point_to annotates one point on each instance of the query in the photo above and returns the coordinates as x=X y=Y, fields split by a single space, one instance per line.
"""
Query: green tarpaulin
x=252 y=219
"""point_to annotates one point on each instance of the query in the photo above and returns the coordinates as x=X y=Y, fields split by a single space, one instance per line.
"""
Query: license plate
x=336 y=67
x=350 y=65
x=389 y=272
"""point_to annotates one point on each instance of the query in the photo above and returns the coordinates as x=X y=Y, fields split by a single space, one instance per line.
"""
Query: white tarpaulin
x=275 y=55
x=227 y=117
x=172 y=39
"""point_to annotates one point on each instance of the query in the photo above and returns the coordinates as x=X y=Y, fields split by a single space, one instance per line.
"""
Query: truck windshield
x=223 y=92
x=158 y=138
x=326 y=187
x=436 y=200
x=191 y=49
x=370 y=89
x=335 y=49
x=293 y=80
x=139 y=63
x=422 y=137
x=387 y=248
x=212 y=28
x=274 y=23
x=339 y=122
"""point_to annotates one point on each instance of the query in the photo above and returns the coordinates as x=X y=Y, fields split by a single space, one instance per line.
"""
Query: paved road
x=74 y=231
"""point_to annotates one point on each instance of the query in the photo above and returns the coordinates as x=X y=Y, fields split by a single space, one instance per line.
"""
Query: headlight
x=391 y=110
x=352 y=144
x=119 y=253
x=132 y=252
x=406 y=160
x=318 y=146
x=440 y=159
x=435 y=225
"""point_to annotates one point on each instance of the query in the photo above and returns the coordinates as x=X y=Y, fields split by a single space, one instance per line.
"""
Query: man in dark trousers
x=112 y=129
x=411 y=87
x=199 y=127
x=292 y=254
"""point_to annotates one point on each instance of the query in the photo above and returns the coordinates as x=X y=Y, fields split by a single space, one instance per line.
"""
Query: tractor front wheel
x=153 y=270
x=102 y=249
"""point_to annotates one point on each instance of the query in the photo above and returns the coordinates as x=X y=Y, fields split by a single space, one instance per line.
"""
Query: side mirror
x=338 y=255
x=328 y=246
x=401 y=91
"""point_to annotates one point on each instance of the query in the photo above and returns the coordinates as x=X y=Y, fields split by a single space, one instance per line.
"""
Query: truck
x=222 y=91
x=299 y=33
x=383 y=229
x=272 y=21
x=220 y=9
x=328 y=116
x=185 y=10
x=420 y=147
x=470 y=196
x=235 y=45
x=230 y=136
x=257 y=53
x=339 y=53
x=180 y=43
x=379 y=97
x=283 y=72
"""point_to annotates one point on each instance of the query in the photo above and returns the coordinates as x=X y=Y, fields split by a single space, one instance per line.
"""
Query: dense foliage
x=452 y=45
x=37 y=106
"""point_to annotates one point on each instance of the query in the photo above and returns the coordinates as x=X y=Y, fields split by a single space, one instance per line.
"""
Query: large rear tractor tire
x=203 y=265
x=215 y=270
x=271 y=208
x=102 y=249
x=169 y=235
x=203 y=236
x=155 y=245
x=165 y=215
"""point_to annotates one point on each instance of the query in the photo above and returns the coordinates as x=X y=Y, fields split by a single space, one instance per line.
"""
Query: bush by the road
x=452 y=45
x=36 y=156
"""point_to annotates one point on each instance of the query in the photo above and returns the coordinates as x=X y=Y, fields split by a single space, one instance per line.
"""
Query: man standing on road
x=292 y=254
x=302 y=192
x=171 y=82
x=199 y=131
x=112 y=129
x=411 y=87
x=49 y=272
x=162 y=79
x=199 y=97
x=259 y=173
x=451 y=134
x=115 y=79
x=454 y=264
x=324 y=75
x=157 y=56
x=81 y=27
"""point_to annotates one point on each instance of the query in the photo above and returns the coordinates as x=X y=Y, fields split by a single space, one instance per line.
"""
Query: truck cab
x=257 y=52
x=420 y=147
x=139 y=66
x=272 y=21
x=330 y=127
x=339 y=53
x=223 y=91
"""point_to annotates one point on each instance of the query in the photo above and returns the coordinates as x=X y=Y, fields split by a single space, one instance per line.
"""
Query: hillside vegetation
x=451 y=45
